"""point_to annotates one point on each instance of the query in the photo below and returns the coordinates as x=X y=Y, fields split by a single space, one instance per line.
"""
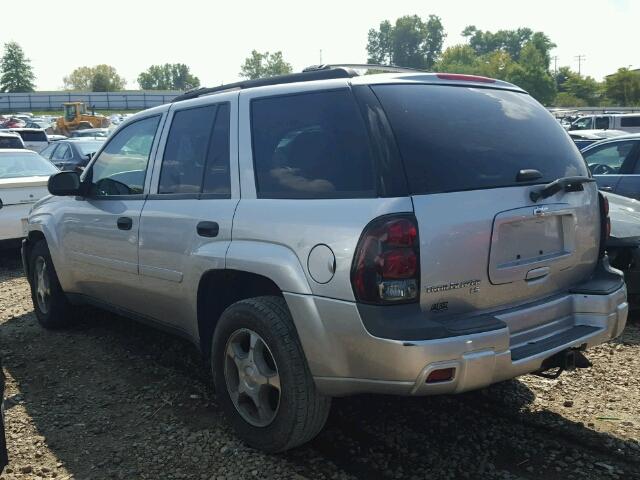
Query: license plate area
x=527 y=239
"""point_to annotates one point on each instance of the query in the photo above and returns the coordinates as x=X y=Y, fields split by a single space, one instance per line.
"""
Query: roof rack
x=305 y=76
x=363 y=66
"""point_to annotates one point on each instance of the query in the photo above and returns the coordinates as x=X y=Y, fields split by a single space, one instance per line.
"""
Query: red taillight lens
x=399 y=263
x=401 y=233
x=386 y=266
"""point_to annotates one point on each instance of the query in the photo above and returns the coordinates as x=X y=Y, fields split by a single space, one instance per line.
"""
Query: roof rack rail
x=304 y=76
x=363 y=66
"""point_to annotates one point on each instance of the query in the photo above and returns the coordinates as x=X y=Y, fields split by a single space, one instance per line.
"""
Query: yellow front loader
x=76 y=118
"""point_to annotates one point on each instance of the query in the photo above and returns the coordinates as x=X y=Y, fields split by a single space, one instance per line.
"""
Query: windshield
x=454 y=138
x=27 y=164
x=89 y=147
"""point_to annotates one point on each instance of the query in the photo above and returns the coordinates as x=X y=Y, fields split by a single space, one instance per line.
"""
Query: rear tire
x=261 y=375
x=50 y=304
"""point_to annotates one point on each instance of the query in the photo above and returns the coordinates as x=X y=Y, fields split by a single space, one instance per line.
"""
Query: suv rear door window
x=311 y=145
x=217 y=176
x=186 y=151
x=196 y=157
x=455 y=138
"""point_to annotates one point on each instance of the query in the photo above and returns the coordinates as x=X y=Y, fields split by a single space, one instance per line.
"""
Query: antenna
x=581 y=58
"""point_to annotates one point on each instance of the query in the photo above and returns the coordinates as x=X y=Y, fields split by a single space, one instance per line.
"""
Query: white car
x=10 y=140
x=34 y=138
x=23 y=181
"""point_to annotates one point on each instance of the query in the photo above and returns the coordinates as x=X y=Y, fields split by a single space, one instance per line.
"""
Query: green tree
x=411 y=42
x=176 y=76
x=586 y=89
x=565 y=99
x=101 y=78
x=623 y=87
x=510 y=41
x=17 y=73
x=260 y=65
x=531 y=73
x=459 y=59
x=380 y=44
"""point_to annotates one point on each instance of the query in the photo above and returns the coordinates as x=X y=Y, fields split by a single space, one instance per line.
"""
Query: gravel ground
x=109 y=398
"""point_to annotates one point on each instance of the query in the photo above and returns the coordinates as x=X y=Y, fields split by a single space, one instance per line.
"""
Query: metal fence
x=46 y=101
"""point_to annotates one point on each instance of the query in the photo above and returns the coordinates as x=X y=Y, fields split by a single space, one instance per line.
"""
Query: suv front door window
x=121 y=167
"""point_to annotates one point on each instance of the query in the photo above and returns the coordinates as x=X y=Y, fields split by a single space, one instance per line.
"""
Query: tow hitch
x=569 y=359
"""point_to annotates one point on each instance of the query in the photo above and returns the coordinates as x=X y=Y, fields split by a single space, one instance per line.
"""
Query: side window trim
x=87 y=175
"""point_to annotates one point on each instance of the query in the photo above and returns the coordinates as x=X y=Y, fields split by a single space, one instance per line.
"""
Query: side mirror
x=64 y=184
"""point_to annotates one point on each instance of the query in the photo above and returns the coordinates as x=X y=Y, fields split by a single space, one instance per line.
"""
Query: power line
x=581 y=58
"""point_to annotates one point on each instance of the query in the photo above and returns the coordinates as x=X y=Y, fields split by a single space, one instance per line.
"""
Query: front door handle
x=125 y=223
x=606 y=189
x=208 y=229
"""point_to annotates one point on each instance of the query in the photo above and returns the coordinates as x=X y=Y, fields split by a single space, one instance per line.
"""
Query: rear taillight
x=386 y=265
x=605 y=223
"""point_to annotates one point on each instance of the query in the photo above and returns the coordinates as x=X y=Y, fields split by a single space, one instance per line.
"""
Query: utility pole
x=320 y=56
x=581 y=58
x=555 y=64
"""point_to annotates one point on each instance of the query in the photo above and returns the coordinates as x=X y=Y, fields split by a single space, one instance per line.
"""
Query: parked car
x=584 y=138
x=55 y=138
x=23 y=181
x=627 y=122
x=72 y=154
x=91 y=132
x=614 y=164
x=34 y=138
x=10 y=140
x=12 y=122
x=623 y=246
x=326 y=234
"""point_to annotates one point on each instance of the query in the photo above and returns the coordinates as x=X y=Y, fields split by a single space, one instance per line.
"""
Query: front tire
x=50 y=304
x=262 y=377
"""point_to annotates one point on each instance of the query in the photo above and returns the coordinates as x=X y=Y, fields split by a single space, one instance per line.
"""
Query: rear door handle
x=208 y=229
x=125 y=223
x=606 y=189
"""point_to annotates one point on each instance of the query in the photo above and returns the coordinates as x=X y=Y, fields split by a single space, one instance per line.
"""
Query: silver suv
x=326 y=234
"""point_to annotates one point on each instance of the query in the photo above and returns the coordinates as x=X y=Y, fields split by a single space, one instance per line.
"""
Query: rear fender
x=276 y=262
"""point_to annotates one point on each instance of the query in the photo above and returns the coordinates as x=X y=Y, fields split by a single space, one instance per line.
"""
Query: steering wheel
x=601 y=169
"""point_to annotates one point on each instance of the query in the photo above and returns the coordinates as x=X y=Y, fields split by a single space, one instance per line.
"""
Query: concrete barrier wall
x=126 y=100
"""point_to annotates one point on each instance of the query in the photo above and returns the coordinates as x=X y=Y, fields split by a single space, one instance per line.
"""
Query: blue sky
x=215 y=37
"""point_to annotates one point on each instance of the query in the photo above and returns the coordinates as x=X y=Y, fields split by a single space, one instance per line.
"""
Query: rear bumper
x=346 y=359
x=11 y=221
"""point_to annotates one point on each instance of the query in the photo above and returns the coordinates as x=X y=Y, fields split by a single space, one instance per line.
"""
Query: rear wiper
x=568 y=184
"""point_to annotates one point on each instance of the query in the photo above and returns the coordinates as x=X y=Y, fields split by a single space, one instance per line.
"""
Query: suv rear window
x=630 y=121
x=311 y=145
x=460 y=138
x=33 y=136
x=10 y=142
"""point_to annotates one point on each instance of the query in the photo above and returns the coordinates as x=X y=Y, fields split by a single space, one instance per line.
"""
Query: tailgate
x=492 y=249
